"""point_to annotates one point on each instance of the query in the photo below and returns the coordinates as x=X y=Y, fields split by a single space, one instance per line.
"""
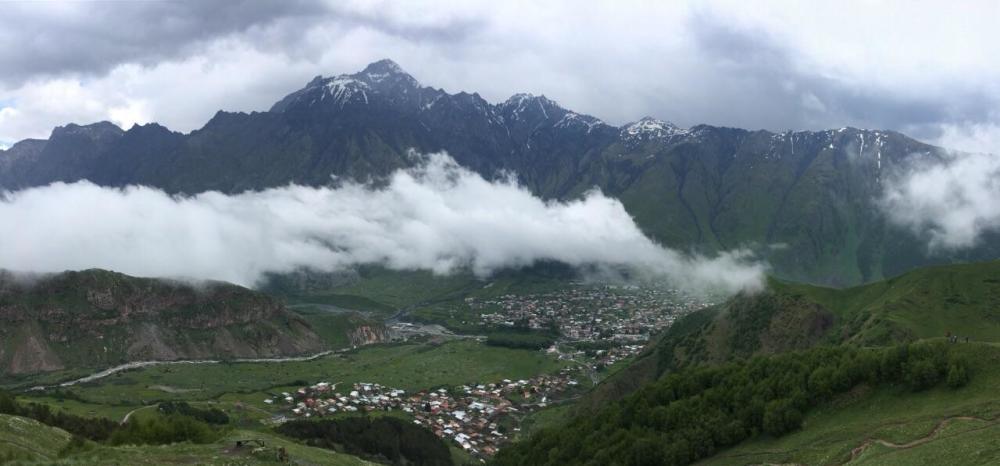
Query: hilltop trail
x=932 y=435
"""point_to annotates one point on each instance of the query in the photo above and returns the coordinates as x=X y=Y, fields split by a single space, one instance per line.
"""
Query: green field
x=411 y=367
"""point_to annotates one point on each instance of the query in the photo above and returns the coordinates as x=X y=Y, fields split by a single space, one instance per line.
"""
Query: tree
x=646 y=452
x=922 y=374
x=821 y=383
x=958 y=376
x=781 y=417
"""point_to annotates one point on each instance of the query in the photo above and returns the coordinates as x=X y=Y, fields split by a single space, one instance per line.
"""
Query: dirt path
x=857 y=451
x=129 y=414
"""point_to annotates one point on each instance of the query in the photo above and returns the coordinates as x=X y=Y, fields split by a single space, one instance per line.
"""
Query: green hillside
x=962 y=300
x=26 y=441
x=937 y=426
x=891 y=421
x=701 y=411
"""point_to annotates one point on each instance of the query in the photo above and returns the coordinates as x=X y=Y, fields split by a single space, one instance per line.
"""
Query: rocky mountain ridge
x=95 y=319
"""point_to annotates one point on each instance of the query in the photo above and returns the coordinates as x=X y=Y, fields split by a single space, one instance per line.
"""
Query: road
x=140 y=364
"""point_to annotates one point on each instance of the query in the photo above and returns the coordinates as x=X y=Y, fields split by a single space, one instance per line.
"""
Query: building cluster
x=477 y=417
x=324 y=399
x=619 y=314
x=595 y=359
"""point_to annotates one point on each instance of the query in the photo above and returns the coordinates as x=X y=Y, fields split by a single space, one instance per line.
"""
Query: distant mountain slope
x=933 y=302
x=95 y=319
x=805 y=200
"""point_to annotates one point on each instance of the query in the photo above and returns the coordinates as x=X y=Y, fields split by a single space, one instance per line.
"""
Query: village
x=598 y=327
x=479 y=418
x=620 y=314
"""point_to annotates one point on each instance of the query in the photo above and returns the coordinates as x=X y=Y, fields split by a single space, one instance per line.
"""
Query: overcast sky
x=929 y=69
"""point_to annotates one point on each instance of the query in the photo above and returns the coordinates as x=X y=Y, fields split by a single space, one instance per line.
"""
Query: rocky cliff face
x=368 y=334
x=96 y=319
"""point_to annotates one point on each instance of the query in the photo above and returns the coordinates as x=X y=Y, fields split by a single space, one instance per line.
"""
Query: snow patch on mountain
x=576 y=120
x=345 y=88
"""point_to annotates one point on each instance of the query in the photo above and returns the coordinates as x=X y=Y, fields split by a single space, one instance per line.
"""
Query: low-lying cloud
x=953 y=200
x=437 y=216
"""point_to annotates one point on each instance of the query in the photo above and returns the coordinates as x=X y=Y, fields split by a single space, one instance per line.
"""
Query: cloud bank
x=437 y=216
x=953 y=200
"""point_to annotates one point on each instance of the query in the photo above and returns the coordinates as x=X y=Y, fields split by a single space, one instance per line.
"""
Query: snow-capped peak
x=386 y=73
x=384 y=66
x=383 y=79
x=520 y=100
x=519 y=104
x=651 y=128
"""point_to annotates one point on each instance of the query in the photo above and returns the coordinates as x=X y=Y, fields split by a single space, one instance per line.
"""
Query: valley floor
x=247 y=391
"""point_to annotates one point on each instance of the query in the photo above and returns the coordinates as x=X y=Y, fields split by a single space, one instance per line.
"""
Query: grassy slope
x=333 y=328
x=345 y=301
x=926 y=303
x=24 y=439
x=218 y=453
x=402 y=289
x=36 y=443
x=830 y=433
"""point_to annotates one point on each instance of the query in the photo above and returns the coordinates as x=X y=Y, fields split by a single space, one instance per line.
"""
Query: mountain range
x=805 y=201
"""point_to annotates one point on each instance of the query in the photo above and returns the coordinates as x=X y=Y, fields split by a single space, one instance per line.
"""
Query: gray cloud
x=793 y=65
x=46 y=38
x=438 y=217
x=769 y=85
